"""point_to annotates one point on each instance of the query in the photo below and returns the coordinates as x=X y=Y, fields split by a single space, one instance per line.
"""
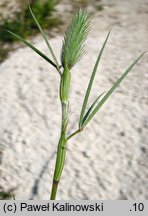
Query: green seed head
x=75 y=36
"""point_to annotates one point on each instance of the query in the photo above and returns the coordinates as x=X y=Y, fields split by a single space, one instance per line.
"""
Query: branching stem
x=73 y=134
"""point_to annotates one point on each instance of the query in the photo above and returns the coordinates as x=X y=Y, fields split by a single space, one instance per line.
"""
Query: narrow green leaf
x=91 y=81
x=91 y=108
x=32 y=47
x=107 y=95
x=44 y=36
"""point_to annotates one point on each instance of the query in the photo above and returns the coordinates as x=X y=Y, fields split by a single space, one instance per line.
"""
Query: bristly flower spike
x=74 y=39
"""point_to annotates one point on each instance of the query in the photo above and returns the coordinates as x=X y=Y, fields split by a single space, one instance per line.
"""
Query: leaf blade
x=44 y=36
x=91 y=108
x=87 y=94
x=32 y=47
x=108 y=94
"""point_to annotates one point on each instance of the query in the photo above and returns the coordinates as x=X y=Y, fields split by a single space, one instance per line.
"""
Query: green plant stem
x=54 y=190
x=61 y=154
x=61 y=150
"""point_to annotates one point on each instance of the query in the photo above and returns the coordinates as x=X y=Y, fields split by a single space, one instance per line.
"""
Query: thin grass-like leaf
x=91 y=108
x=45 y=38
x=33 y=48
x=91 y=81
x=108 y=94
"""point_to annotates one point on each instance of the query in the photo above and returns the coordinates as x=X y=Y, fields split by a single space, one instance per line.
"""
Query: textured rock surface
x=8 y=8
x=109 y=159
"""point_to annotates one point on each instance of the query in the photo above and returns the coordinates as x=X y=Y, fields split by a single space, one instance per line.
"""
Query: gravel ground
x=109 y=160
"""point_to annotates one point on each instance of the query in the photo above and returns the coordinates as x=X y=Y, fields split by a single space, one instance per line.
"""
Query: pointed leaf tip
x=87 y=94
x=32 y=47
x=108 y=94
x=44 y=37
